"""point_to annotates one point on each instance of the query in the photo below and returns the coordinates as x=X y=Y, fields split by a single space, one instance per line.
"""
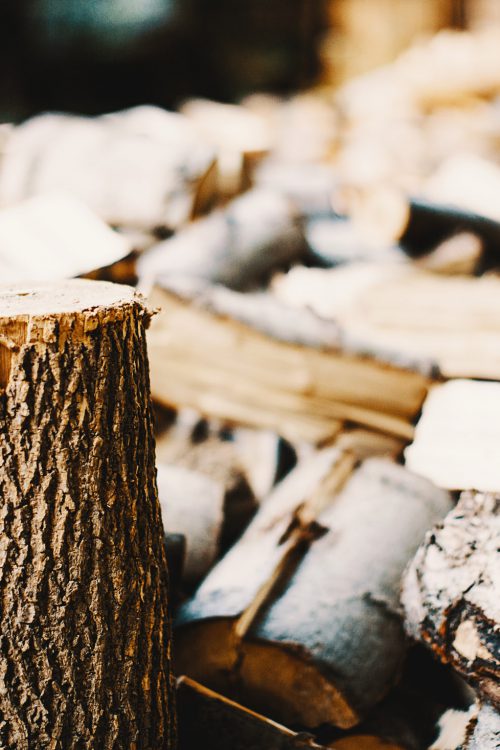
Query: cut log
x=85 y=638
x=266 y=365
x=139 y=168
x=457 y=438
x=265 y=456
x=451 y=592
x=323 y=543
x=236 y=246
x=461 y=254
x=419 y=225
x=208 y=720
x=192 y=505
x=468 y=182
x=54 y=237
x=406 y=719
x=448 y=321
x=217 y=461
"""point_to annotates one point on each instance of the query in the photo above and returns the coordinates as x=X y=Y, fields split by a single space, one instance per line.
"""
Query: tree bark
x=85 y=640
x=451 y=592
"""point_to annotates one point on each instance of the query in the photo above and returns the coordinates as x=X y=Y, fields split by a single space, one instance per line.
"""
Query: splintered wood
x=85 y=655
x=303 y=388
x=449 y=321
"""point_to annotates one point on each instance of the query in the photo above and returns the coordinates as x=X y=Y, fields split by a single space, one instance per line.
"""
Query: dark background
x=92 y=56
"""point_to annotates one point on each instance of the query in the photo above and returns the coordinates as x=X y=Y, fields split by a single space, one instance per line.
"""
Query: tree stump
x=84 y=628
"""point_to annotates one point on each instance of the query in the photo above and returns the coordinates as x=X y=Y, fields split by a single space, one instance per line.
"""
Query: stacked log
x=322 y=543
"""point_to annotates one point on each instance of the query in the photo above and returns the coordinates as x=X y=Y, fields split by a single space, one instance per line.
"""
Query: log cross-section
x=84 y=629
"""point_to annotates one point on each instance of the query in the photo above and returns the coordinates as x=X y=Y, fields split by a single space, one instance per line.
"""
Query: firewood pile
x=320 y=287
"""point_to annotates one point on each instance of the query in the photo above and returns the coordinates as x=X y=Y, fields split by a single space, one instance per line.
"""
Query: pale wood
x=192 y=504
x=296 y=379
x=450 y=321
x=457 y=438
x=54 y=237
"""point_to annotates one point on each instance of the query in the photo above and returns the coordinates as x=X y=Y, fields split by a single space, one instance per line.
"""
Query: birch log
x=236 y=246
x=310 y=594
x=475 y=729
x=85 y=641
x=451 y=592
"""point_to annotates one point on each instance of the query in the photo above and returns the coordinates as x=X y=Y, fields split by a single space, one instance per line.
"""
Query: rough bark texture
x=318 y=547
x=85 y=641
x=451 y=592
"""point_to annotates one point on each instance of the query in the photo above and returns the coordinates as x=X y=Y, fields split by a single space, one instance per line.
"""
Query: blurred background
x=101 y=55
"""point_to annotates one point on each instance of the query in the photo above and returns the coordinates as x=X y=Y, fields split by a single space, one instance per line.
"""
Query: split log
x=448 y=321
x=236 y=246
x=84 y=658
x=451 y=592
x=265 y=457
x=239 y=136
x=208 y=720
x=468 y=182
x=140 y=168
x=54 y=237
x=457 y=437
x=267 y=365
x=475 y=729
x=323 y=543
